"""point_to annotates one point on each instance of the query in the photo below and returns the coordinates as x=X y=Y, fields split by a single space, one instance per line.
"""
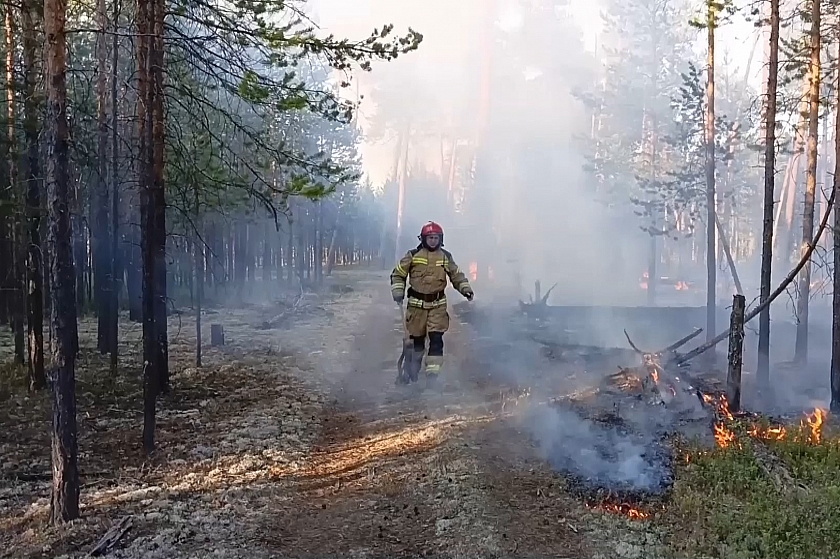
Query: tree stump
x=736 y=353
x=217 y=335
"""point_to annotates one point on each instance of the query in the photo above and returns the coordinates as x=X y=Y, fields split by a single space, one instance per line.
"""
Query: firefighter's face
x=432 y=241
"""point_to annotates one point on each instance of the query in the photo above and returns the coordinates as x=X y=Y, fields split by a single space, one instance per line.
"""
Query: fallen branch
x=779 y=290
x=681 y=342
x=111 y=537
x=629 y=341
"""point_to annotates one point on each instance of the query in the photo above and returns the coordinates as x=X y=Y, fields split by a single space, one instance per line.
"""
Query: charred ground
x=293 y=440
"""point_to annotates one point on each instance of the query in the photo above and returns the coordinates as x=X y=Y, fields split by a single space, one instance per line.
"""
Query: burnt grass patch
x=603 y=459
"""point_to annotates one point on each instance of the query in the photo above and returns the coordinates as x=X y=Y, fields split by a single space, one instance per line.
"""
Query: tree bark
x=151 y=361
x=711 y=265
x=763 y=368
x=34 y=298
x=804 y=283
x=64 y=504
x=16 y=296
x=198 y=249
x=835 y=315
x=158 y=194
x=736 y=352
x=99 y=230
x=318 y=242
x=114 y=314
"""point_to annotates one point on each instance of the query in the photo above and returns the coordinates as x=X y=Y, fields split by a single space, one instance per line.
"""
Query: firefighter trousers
x=432 y=322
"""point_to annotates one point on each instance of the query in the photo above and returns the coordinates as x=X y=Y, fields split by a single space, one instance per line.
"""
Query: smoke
x=600 y=456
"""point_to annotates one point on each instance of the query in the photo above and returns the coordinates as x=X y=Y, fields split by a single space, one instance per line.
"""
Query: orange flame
x=473 y=270
x=624 y=509
x=815 y=422
x=723 y=408
x=723 y=436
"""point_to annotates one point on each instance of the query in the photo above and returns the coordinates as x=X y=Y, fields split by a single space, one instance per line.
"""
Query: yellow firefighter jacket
x=426 y=272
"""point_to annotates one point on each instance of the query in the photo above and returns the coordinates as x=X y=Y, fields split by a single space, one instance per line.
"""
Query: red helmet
x=431 y=228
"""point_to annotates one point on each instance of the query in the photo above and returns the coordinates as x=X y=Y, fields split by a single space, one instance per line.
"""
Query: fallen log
x=778 y=291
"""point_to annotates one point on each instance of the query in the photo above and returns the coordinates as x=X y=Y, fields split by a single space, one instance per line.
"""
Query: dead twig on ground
x=111 y=537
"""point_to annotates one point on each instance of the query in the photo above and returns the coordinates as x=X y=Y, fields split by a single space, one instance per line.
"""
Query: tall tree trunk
x=804 y=283
x=159 y=198
x=711 y=265
x=835 y=314
x=64 y=504
x=318 y=242
x=99 y=230
x=151 y=361
x=403 y=174
x=266 y=258
x=116 y=272
x=17 y=306
x=198 y=249
x=34 y=298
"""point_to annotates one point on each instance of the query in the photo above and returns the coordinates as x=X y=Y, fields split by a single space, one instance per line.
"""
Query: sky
x=355 y=19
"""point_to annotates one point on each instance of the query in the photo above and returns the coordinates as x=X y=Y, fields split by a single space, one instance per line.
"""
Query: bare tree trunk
x=318 y=242
x=34 y=298
x=804 y=283
x=159 y=200
x=99 y=230
x=116 y=271
x=198 y=249
x=17 y=304
x=403 y=173
x=145 y=89
x=64 y=503
x=711 y=265
x=835 y=314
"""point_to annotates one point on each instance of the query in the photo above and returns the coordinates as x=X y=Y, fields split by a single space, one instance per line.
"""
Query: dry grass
x=246 y=415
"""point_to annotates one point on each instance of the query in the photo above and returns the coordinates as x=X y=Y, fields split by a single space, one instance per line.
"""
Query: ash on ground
x=600 y=459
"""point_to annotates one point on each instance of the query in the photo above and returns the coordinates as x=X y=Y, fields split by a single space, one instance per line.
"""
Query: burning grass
x=766 y=490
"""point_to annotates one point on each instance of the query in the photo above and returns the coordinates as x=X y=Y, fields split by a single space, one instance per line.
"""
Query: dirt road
x=296 y=443
x=404 y=471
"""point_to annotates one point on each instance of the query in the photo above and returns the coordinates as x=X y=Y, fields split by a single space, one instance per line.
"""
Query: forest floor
x=292 y=440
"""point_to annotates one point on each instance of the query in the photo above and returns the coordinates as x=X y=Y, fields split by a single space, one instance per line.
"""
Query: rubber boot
x=434 y=364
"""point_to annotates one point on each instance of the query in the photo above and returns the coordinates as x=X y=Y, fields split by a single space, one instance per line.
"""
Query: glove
x=468 y=293
x=398 y=298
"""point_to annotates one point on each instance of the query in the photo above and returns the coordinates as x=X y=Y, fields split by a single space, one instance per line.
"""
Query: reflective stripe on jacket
x=426 y=272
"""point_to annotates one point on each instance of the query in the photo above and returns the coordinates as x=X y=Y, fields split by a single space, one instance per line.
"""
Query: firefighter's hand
x=398 y=298
x=468 y=293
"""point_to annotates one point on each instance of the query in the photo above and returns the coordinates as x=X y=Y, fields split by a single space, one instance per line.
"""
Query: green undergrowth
x=758 y=500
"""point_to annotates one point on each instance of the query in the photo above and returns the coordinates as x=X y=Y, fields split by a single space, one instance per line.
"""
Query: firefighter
x=426 y=269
